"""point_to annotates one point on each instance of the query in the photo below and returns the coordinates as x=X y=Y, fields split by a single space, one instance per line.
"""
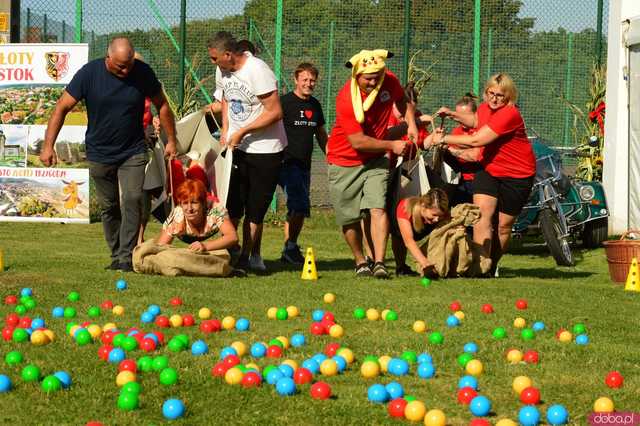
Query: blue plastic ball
x=226 y=351
x=319 y=358
x=426 y=370
x=117 y=355
x=424 y=358
x=199 y=347
x=395 y=390
x=342 y=363
x=286 y=370
x=452 y=321
x=557 y=415
x=470 y=348
x=173 y=409
x=29 y=330
x=317 y=315
x=57 y=312
x=65 y=379
x=468 y=381
x=311 y=365
x=538 y=326
x=258 y=350
x=398 y=367
x=582 y=339
x=286 y=386
x=121 y=284
x=37 y=323
x=377 y=393
x=242 y=324
x=154 y=309
x=26 y=292
x=5 y=383
x=298 y=340
x=274 y=375
x=529 y=416
x=153 y=337
x=480 y=406
x=147 y=317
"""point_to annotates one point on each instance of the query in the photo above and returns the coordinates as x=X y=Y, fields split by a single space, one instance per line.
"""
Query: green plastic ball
x=128 y=401
x=131 y=387
x=160 y=363
x=372 y=358
x=409 y=356
x=129 y=343
x=499 y=333
x=70 y=312
x=464 y=358
x=13 y=358
x=51 y=384
x=24 y=299
x=391 y=316
x=30 y=373
x=20 y=335
x=145 y=364
x=74 y=296
x=267 y=369
x=20 y=309
x=175 y=345
x=168 y=376
x=183 y=338
x=30 y=304
x=436 y=338
x=579 y=329
x=83 y=338
x=242 y=368
x=276 y=342
x=118 y=340
x=528 y=334
x=94 y=312
x=426 y=282
x=282 y=314
x=69 y=326
x=409 y=398
x=359 y=313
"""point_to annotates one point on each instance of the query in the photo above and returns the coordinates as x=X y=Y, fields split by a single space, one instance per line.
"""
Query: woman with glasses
x=502 y=187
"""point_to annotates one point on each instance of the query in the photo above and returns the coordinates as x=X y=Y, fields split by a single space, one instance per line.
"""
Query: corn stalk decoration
x=191 y=89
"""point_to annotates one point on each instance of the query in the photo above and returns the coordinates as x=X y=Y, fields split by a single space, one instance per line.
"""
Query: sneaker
x=363 y=270
x=380 y=271
x=125 y=267
x=114 y=266
x=292 y=255
x=256 y=263
x=405 y=271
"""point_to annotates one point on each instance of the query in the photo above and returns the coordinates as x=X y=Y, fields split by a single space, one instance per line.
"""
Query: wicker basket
x=619 y=256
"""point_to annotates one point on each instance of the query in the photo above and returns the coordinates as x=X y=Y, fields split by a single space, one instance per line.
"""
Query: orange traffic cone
x=309 y=271
x=633 y=279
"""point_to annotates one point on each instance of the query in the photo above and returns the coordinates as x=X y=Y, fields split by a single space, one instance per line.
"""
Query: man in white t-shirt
x=252 y=127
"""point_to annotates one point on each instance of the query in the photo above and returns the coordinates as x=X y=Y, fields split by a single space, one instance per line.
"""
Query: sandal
x=380 y=271
x=363 y=270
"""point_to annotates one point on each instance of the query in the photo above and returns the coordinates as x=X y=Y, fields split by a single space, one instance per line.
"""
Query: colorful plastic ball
x=116 y=356
x=274 y=351
x=26 y=292
x=520 y=383
x=519 y=322
x=487 y=308
x=528 y=334
x=11 y=299
x=529 y=416
x=51 y=384
x=373 y=314
x=419 y=326
x=57 y=312
x=329 y=367
x=37 y=323
x=466 y=395
x=13 y=358
x=565 y=336
x=579 y=329
x=302 y=376
x=370 y=369
x=292 y=311
x=83 y=337
x=395 y=390
x=298 y=340
x=384 y=363
x=20 y=335
x=499 y=333
x=514 y=356
x=273 y=375
x=455 y=306
x=480 y=406
x=125 y=377
x=614 y=379
x=128 y=365
x=506 y=422
x=317 y=315
x=436 y=338
x=415 y=411
x=470 y=348
x=409 y=398
x=129 y=343
x=530 y=395
x=5 y=383
x=538 y=326
x=425 y=281
x=426 y=370
x=128 y=401
x=118 y=310
x=175 y=301
x=228 y=322
x=464 y=358
x=603 y=405
x=30 y=373
x=145 y=364
x=582 y=339
x=396 y=407
x=557 y=415
x=329 y=298
x=468 y=381
x=391 y=316
x=175 y=320
x=282 y=314
x=226 y=351
x=409 y=356
x=336 y=331
x=452 y=321
x=521 y=304
x=199 y=347
x=474 y=367
x=160 y=363
x=377 y=393
x=320 y=390
x=435 y=417
x=424 y=358
x=359 y=313
x=347 y=354
x=168 y=376
x=20 y=309
x=398 y=367
x=258 y=350
x=312 y=365
x=286 y=386
x=342 y=363
x=251 y=380
x=240 y=347
x=204 y=313
x=242 y=324
x=286 y=370
x=172 y=409
x=531 y=357
x=459 y=314
x=74 y=296
x=147 y=317
x=121 y=285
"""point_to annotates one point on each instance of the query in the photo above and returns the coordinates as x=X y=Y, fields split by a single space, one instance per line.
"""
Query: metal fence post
x=599 y=33
x=26 y=35
x=278 y=54
x=43 y=37
x=476 y=46
x=64 y=31
x=568 y=87
x=407 y=41
x=489 y=54
x=78 y=28
x=183 y=50
x=329 y=77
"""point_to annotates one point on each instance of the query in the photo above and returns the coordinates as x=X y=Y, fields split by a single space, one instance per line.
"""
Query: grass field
x=56 y=259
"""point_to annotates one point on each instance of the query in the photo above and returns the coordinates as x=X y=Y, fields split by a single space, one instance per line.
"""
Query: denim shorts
x=295 y=181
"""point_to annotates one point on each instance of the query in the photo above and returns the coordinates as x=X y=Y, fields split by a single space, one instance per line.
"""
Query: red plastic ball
x=107 y=304
x=328 y=316
x=12 y=319
x=614 y=379
x=188 y=320
x=128 y=365
x=455 y=306
x=466 y=394
x=160 y=337
x=521 y=304
x=10 y=300
x=93 y=423
x=317 y=329
x=206 y=326
x=107 y=337
x=251 y=380
x=219 y=370
x=487 y=309
x=395 y=408
x=175 y=301
x=7 y=333
x=148 y=344
x=274 y=351
x=327 y=324
x=531 y=357
x=302 y=376
x=103 y=352
x=25 y=322
x=231 y=360
x=162 y=321
x=530 y=396
x=320 y=390
x=479 y=422
x=331 y=349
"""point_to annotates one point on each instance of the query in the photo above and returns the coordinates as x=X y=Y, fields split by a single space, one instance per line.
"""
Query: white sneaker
x=256 y=263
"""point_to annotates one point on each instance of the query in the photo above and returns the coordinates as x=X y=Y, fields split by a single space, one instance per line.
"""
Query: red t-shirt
x=147 y=118
x=412 y=151
x=511 y=155
x=401 y=211
x=469 y=168
x=339 y=150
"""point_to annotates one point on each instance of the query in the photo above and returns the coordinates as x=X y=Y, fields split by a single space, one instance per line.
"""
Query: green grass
x=56 y=259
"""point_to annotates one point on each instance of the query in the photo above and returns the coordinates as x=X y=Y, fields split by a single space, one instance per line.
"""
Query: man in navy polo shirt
x=114 y=89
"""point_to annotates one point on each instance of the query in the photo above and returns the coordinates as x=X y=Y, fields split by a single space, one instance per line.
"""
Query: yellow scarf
x=366 y=62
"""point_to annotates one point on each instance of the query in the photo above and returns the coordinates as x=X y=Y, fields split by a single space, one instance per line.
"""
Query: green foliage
x=29 y=206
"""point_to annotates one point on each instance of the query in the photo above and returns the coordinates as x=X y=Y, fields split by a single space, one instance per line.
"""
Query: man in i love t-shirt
x=358 y=169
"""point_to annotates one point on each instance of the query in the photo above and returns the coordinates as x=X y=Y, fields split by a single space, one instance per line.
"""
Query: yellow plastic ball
x=50 y=334
x=228 y=323
x=506 y=422
x=291 y=363
x=373 y=314
x=109 y=326
x=233 y=376
x=347 y=354
x=284 y=341
x=329 y=367
x=38 y=338
x=95 y=331
x=520 y=383
x=514 y=356
x=240 y=348
x=175 y=320
x=474 y=367
x=435 y=417
x=565 y=337
x=415 y=411
x=329 y=298
x=603 y=405
x=419 y=326
x=72 y=330
x=118 y=310
x=519 y=322
x=370 y=369
x=253 y=366
x=271 y=312
x=125 y=377
x=336 y=331
x=384 y=313
x=293 y=311
x=204 y=313
x=384 y=362
x=460 y=316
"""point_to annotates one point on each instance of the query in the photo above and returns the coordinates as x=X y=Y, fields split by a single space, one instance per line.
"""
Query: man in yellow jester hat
x=358 y=168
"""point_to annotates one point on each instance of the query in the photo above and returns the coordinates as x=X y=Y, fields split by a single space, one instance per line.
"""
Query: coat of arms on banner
x=57 y=64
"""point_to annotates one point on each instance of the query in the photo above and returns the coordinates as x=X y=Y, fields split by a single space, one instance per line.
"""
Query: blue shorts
x=295 y=181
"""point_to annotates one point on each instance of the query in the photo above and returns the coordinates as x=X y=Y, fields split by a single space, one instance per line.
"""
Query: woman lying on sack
x=194 y=222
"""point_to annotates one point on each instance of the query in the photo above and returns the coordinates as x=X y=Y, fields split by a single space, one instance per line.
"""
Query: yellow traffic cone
x=633 y=280
x=309 y=271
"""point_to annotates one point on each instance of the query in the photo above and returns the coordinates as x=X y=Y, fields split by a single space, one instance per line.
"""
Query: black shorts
x=253 y=181
x=512 y=193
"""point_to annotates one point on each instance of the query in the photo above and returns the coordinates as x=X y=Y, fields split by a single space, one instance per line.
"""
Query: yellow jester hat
x=366 y=62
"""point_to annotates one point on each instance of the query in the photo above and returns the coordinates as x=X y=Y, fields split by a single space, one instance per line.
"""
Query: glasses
x=497 y=96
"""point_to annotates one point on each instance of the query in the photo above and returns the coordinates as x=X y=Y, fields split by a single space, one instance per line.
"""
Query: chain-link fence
x=548 y=46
